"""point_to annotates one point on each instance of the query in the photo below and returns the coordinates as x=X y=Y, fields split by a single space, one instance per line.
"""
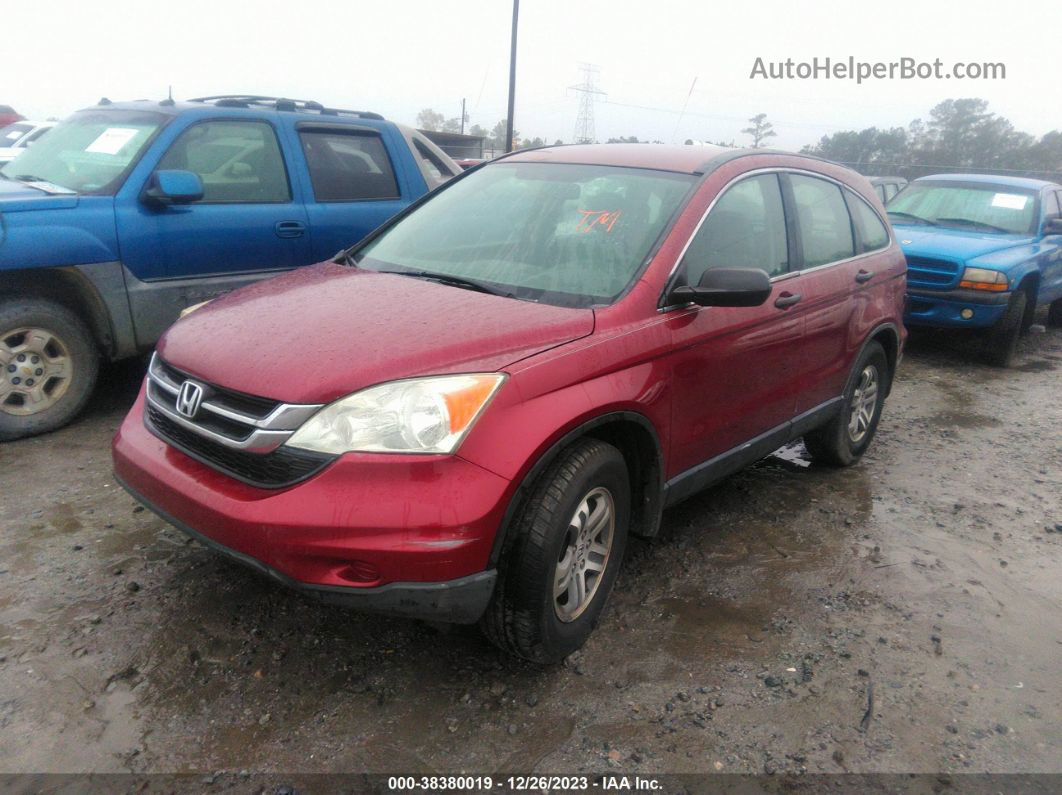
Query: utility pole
x=512 y=81
x=462 y=115
x=588 y=93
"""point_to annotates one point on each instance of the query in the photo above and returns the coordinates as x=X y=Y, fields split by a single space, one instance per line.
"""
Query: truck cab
x=126 y=213
x=983 y=252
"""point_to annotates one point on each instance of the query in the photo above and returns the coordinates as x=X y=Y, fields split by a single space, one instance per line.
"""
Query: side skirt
x=700 y=477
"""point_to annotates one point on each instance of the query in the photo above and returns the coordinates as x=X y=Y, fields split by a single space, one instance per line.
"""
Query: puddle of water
x=964 y=419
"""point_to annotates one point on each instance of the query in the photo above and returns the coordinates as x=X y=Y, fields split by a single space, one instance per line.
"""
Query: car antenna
x=169 y=98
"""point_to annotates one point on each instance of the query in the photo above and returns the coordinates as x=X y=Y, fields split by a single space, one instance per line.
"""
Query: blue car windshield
x=564 y=234
x=979 y=207
x=90 y=152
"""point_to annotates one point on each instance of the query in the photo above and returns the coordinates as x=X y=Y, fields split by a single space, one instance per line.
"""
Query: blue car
x=982 y=253
x=126 y=213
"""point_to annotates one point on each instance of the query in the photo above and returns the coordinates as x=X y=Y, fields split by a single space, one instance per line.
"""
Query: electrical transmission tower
x=588 y=94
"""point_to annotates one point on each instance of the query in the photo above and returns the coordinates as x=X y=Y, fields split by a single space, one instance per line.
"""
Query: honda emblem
x=189 y=398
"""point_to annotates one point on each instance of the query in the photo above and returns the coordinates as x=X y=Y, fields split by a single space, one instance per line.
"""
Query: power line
x=588 y=93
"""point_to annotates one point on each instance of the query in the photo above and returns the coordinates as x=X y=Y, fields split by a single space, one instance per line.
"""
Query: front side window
x=564 y=234
x=88 y=153
x=238 y=161
x=1051 y=210
x=978 y=207
x=745 y=229
x=822 y=215
x=347 y=167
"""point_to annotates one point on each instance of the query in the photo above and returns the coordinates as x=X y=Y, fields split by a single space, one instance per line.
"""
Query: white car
x=14 y=138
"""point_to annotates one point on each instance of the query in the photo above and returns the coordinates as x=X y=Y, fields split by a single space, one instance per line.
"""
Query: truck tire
x=1054 y=313
x=1001 y=341
x=48 y=367
x=562 y=556
x=843 y=440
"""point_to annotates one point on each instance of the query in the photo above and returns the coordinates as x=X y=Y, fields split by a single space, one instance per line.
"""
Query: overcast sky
x=398 y=56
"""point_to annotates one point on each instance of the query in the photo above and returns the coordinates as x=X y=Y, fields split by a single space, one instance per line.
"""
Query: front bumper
x=404 y=535
x=943 y=308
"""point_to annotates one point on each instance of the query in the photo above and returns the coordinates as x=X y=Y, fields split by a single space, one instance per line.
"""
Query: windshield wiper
x=453 y=281
x=912 y=216
x=970 y=222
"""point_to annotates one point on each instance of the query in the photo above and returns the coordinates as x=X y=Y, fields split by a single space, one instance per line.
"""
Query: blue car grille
x=940 y=274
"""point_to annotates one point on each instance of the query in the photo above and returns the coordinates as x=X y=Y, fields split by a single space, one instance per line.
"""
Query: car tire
x=842 y=441
x=561 y=527
x=1001 y=341
x=48 y=367
x=1054 y=313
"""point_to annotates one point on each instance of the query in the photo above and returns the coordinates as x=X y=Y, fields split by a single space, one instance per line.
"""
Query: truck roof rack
x=282 y=103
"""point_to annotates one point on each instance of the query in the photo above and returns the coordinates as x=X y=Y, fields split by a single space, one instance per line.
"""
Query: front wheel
x=1001 y=341
x=563 y=555
x=844 y=439
x=48 y=367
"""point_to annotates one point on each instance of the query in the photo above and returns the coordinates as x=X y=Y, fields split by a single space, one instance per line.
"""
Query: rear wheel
x=1001 y=342
x=1054 y=313
x=844 y=439
x=48 y=367
x=564 y=552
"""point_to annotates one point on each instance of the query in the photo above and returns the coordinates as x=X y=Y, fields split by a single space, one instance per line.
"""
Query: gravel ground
x=899 y=616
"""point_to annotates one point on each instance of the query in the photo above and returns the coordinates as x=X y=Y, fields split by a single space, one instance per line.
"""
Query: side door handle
x=864 y=276
x=289 y=228
x=786 y=300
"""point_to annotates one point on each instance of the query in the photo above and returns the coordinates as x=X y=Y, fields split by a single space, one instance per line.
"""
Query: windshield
x=89 y=152
x=570 y=235
x=966 y=205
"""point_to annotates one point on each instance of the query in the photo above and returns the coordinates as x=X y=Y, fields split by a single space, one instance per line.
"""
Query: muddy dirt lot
x=902 y=615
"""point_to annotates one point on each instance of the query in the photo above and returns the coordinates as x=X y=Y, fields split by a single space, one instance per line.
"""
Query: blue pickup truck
x=982 y=253
x=126 y=213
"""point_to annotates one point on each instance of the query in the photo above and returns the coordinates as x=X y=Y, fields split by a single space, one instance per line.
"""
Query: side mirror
x=1053 y=226
x=173 y=187
x=726 y=287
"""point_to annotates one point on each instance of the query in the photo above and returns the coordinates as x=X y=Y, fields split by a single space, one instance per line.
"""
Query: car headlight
x=984 y=279
x=422 y=415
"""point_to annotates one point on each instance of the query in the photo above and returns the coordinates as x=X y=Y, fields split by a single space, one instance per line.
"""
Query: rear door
x=733 y=368
x=836 y=231
x=355 y=183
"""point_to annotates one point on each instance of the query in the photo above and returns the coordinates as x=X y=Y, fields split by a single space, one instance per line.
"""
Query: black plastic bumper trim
x=962 y=295
x=460 y=601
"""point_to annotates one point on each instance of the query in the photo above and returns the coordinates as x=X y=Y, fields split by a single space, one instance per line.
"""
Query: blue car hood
x=954 y=244
x=16 y=196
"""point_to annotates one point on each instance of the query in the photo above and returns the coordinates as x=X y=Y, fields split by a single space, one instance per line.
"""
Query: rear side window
x=431 y=163
x=238 y=161
x=822 y=215
x=348 y=166
x=745 y=229
x=1051 y=208
x=872 y=231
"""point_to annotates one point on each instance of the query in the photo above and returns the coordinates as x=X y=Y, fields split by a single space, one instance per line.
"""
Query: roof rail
x=283 y=104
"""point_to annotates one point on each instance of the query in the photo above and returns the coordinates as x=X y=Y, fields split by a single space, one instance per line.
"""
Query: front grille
x=234 y=401
x=282 y=467
x=940 y=274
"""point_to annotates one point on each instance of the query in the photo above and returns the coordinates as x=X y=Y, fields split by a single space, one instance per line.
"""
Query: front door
x=733 y=368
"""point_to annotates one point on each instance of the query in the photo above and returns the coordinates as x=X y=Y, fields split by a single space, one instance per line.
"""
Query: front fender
x=78 y=235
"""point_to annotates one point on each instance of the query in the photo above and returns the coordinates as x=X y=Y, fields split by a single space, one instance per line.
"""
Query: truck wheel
x=1054 y=313
x=562 y=556
x=48 y=367
x=843 y=440
x=1002 y=339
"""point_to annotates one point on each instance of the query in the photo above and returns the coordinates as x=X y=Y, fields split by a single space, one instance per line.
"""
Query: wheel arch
x=69 y=288
x=888 y=336
x=635 y=437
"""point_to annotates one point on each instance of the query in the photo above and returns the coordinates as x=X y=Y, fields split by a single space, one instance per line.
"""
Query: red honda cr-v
x=465 y=416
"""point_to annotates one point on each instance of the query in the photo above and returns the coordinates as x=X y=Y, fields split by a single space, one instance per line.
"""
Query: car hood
x=328 y=330
x=15 y=196
x=954 y=244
